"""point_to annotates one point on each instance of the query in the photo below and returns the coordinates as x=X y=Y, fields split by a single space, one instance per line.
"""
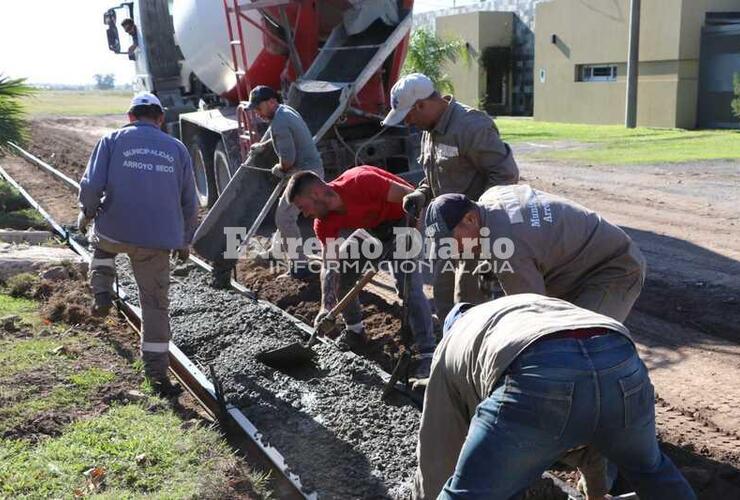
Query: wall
x=466 y=76
x=522 y=44
x=597 y=33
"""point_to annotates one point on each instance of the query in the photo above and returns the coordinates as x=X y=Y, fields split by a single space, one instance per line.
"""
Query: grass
x=77 y=103
x=15 y=212
x=139 y=451
x=616 y=145
x=24 y=308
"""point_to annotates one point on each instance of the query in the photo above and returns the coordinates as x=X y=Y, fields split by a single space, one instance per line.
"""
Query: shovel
x=298 y=353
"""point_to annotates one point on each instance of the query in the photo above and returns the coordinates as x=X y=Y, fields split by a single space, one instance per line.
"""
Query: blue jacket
x=139 y=186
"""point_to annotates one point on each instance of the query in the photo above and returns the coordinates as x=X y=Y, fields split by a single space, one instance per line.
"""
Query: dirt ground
x=685 y=219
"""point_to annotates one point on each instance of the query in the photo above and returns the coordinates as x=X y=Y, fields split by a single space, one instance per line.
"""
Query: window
x=596 y=72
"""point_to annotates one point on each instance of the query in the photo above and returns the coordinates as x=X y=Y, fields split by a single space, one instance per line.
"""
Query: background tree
x=105 y=82
x=13 y=126
x=736 y=100
x=427 y=54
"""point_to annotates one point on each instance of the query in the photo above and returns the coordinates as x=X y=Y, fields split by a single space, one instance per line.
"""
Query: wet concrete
x=327 y=419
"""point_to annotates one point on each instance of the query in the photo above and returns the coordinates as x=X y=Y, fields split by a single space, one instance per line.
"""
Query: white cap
x=404 y=94
x=145 y=99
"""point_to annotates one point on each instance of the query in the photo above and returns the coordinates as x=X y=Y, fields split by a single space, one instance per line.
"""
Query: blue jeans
x=557 y=395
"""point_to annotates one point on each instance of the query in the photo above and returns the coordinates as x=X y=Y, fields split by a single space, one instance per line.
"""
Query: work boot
x=164 y=388
x=421 y=365
x=102 y=303
x=349 y=340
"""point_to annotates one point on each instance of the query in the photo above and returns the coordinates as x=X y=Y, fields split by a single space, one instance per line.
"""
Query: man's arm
x=481 y=144
x=442 y=433
x=525 y=278
x=282 y=141
x=189 y=200
x=95 y=178
x=396 y=192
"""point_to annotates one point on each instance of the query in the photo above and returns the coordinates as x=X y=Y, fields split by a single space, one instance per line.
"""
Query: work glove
x=83 y=222
x=413 y=203
x=278 y=171
x=181 y=254
x=323 y=323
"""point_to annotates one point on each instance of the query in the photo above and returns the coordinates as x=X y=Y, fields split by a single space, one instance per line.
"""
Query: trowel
x=298 y=353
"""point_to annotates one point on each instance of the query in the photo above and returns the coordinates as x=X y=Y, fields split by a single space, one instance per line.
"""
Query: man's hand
x=413 y=203
x=83 y=222
x=323 y=323
x=278 y=171
x=181 y=254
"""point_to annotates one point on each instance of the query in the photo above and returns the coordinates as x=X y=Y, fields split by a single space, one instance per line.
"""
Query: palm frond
x=427 y=54
x=13 y=126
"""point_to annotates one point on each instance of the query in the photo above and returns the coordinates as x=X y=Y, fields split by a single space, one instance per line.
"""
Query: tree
x=105 y=82
x=12 y=114
x=736 y=100
x=427 y=54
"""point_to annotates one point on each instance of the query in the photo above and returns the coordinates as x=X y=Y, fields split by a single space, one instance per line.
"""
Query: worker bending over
x=532 y=241
x=518 y=382
x=296 y=151
x=139 y=189
x=461 y=152
x=363 y=198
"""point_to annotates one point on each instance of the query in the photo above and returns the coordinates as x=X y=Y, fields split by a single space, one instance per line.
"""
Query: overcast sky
x=53 y=41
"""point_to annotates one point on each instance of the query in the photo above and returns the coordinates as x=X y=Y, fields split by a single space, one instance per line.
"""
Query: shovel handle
x=352 y=294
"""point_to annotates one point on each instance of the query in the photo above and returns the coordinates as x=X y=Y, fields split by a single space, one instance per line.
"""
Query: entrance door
x=719 y=61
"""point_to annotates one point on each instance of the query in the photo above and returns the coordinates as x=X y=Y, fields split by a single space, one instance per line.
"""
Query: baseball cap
x=445 y=212
x=259 y=94
x=455 y=313
x=145 y=99
x=404 y=94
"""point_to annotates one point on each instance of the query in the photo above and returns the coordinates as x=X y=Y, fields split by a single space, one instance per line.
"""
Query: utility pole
x=633 y=60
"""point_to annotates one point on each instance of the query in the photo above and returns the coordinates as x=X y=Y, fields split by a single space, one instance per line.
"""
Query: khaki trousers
x=151 y=268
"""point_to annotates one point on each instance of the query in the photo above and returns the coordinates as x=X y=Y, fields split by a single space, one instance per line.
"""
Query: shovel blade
x=291 y=355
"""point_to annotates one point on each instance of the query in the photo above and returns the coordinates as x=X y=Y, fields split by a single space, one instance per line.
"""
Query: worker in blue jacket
x=139 y=190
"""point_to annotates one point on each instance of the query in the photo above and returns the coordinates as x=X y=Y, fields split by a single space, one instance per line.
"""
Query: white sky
x=64 y=42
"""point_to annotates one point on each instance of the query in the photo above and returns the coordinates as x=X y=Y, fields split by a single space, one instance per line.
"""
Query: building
x=689 y=50
x=498 y=74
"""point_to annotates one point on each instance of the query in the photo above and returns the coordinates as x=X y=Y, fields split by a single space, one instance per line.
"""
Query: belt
x=578 y=334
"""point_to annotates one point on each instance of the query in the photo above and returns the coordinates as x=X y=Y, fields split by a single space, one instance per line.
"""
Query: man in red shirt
x=368 y=200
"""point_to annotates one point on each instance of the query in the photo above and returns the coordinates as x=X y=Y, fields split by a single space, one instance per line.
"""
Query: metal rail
x=190 y=376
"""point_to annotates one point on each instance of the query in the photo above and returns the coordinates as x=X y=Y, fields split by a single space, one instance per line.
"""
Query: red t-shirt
x=364 y=191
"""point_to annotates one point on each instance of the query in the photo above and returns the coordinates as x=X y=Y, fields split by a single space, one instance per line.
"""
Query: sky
x=64 y=42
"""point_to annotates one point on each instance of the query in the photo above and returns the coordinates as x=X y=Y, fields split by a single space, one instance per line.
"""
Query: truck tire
x=222 y=173
x=205 y=184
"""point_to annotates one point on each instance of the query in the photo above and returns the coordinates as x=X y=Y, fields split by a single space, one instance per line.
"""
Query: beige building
x=689 y=50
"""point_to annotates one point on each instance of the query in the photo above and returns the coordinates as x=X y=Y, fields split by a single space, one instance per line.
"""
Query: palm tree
x=427 y=54
x=12 y=114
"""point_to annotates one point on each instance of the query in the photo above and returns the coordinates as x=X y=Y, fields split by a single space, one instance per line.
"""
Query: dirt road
x=687 y=321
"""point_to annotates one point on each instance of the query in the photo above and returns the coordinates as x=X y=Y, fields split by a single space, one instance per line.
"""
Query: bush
x=10 y=199
x=22 y=285
x=27 y=218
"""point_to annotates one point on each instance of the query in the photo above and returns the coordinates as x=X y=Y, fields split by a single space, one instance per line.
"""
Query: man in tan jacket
x=535 y=242
x=461 y=152
x=520 y=382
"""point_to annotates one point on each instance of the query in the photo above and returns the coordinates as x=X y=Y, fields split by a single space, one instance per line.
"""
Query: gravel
x=327 y=420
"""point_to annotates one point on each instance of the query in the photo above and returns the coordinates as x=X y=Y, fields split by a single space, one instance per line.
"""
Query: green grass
x=176 y=463
x=77 y=103
x=21 y=354
x=24 y=308
x=617 y=145
x=92 y=378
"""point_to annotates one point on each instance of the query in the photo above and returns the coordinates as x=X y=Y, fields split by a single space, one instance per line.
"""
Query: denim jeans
x=557 y=395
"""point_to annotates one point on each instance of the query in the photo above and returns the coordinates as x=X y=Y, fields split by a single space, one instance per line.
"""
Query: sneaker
x=163 y=387
x=102 y=303
x=349 y=340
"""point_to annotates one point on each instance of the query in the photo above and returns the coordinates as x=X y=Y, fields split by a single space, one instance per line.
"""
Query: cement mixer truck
x=334 y=61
